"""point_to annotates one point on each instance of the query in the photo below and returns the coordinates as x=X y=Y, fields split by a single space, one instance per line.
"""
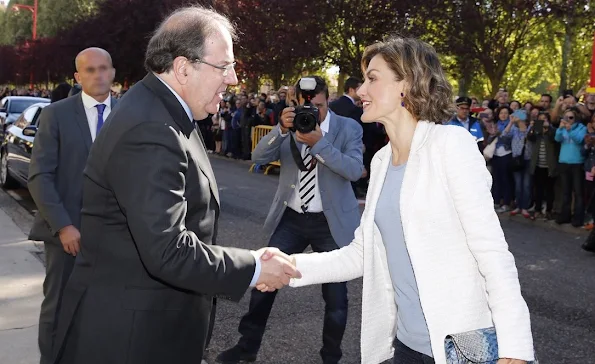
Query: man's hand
x=311 y=138
x=510 y=361
x=277 y=268
x=70 y=238
x=286 y=119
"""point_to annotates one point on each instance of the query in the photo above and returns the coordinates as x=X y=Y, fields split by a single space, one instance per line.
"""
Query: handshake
x=277 y=268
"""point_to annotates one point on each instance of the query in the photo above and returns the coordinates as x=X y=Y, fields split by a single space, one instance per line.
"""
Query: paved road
x=557 y=277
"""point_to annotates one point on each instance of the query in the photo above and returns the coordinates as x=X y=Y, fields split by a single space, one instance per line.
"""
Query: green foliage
x=58 y=15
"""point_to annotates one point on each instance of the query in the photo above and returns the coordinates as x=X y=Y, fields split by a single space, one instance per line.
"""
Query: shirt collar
x=350 y=98
x=463 y=121
x=324 y=126
x=90 y=102
x=182 y=102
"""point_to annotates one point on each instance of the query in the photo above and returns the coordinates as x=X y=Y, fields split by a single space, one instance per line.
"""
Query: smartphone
x=484 y=115
x=567 y=93
x=538 y=126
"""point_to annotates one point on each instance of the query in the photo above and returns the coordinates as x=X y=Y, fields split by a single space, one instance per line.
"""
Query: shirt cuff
x=281 y=132
x=256 y=269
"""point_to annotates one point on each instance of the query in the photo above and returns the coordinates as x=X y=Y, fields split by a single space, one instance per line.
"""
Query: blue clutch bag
x=473 y=347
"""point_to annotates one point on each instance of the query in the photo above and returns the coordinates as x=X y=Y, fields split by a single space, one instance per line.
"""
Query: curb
x=19 y=215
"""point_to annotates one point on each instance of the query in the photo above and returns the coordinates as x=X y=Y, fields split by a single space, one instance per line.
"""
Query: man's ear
x=180 y=69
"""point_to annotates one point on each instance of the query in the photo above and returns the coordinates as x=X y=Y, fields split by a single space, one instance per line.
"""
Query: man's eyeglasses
x=226 y=69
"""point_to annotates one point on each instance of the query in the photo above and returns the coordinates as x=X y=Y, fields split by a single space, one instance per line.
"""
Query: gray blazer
x=59 y=155
x=340 y=161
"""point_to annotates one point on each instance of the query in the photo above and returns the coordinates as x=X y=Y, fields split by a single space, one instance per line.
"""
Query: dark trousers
x=502 y=186
x=236 y=142
x=406 y=355
x=246 y=142
x=573 y=178
x=294 y=233
x=59 y=265
x=523 y=186
x=544 y=189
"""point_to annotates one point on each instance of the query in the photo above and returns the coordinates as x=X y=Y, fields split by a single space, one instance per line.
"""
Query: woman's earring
x=402 y=102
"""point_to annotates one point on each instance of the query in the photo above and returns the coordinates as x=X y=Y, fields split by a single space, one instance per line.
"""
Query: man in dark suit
x=66 y=130
x=373 y=132
x=142 y=288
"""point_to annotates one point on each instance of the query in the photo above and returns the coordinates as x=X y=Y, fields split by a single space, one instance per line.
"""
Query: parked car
x=16 y=147
x=11 y=107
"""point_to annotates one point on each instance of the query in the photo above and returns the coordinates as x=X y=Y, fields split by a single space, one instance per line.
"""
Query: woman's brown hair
x=430 y=94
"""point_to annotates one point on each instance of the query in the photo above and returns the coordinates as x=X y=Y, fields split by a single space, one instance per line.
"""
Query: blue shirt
x=412 y=329
x=571 y=151
x=472 y=125
x=189 y=113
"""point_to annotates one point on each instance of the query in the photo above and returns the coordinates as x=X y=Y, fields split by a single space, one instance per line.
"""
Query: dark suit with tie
x=55 y=182
x=142 y=288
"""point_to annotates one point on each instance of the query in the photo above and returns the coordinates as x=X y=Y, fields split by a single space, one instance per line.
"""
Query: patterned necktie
x=307 y=179
x=100 y=110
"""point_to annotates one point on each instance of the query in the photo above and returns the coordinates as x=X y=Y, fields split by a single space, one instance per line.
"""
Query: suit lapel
x=178 y=114
x=82 y=122
x=412 y=171
x=204 y=163
x=333 y=129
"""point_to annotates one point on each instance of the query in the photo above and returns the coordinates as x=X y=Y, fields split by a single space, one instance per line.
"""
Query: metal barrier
x=257 y=133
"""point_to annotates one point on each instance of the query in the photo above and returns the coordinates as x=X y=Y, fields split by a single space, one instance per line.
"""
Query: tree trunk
x=566 y=50
x=341 y=82
x=465 y=76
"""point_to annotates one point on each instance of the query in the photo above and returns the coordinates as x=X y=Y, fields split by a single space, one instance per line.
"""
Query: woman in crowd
x=502 y=162
x=515 y=105
x=544 y=162
x=571 y=135
x=430 y=248
x=521 y=163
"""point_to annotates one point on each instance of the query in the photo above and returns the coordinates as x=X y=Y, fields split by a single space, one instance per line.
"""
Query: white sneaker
x=503 y=209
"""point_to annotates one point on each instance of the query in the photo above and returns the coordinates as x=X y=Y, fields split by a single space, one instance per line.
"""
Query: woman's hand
x=510 y=361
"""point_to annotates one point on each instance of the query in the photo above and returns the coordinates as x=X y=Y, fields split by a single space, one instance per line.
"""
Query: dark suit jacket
x=142 y=287
x=343 y=106
x=60 y=151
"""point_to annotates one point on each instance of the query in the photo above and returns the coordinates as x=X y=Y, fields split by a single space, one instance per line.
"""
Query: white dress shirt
x=295 y=202
x=92 y=114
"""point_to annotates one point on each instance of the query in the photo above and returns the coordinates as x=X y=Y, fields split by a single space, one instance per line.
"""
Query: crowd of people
x=540 y=154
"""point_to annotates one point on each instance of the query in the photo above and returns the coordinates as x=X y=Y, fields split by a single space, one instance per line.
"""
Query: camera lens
x=306 y=118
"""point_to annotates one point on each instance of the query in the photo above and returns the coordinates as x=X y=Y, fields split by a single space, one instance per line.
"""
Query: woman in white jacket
x=430 y=248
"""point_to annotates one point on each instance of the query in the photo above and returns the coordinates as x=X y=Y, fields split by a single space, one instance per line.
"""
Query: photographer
x=321 y=153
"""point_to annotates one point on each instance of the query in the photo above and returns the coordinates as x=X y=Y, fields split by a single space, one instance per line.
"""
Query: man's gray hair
x=183 y=33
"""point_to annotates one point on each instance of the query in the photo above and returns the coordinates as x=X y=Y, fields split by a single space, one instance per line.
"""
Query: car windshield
x=17 y=106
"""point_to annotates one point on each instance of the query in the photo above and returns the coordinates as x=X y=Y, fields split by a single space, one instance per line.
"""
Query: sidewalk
x=21 y=280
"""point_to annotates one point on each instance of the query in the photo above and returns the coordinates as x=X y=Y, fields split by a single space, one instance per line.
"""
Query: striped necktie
x=307 y=179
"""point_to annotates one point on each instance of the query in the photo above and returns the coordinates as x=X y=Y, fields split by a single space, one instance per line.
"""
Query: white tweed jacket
x=467 y=278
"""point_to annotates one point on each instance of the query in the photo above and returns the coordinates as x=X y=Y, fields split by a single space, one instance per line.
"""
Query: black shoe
x=560 y=221
x=588 y=247
x=235 y=355
x=577 y=224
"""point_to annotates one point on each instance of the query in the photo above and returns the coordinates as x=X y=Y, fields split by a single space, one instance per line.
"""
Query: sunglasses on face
x=569 y=118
